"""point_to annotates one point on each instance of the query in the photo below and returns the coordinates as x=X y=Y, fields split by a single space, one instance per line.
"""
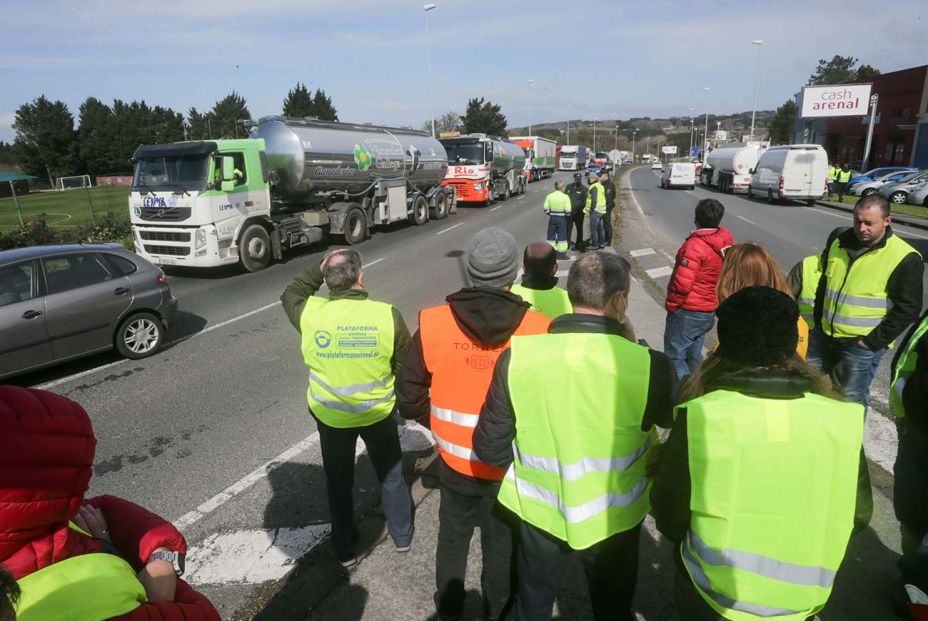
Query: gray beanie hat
x=493 y=258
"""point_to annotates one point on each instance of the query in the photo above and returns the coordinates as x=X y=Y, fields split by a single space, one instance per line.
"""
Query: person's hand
x=159 y=580
x=628 y=330
x=91 y=520
x=863 y=344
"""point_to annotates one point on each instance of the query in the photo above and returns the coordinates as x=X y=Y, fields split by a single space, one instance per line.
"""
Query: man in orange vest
x=443 y=384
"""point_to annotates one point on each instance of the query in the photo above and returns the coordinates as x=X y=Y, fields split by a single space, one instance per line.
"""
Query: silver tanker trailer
x=292 y=182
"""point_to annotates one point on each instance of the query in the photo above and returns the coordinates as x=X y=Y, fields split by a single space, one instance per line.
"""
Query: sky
x=613 y=59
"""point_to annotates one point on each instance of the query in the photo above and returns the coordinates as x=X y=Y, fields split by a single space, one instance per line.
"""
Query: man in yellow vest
x=832 y=178
x=756 y=483
x=803 y=282
x=841 y=181
x=353 y=347
x=571 y=414
x=557 y=207
x=596 y=208
x=539 y=282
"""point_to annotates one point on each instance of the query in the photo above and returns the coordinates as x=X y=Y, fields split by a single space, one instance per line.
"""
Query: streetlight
x=428 y=57
x=758 y=43
x=705 y=135
x=530 y=108
x=594 y=135
x=634 y=132
x=692 y=127
x=615 y=148
x=569 y=106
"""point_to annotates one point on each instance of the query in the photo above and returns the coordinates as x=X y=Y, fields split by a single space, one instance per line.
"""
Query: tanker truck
x=539 y=156
x=729 y=166
x=482 y=169
x=292 y=182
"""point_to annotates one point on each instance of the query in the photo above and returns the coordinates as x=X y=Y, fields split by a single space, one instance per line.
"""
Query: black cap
x=578 y=176
x=758 y=326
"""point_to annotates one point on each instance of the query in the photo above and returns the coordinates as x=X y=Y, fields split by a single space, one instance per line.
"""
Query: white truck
x=574 y=157
x=539 y=156
x=728 y=167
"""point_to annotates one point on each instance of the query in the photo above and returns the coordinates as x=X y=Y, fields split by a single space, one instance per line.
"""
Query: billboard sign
x=835 y=100
x=670 y=150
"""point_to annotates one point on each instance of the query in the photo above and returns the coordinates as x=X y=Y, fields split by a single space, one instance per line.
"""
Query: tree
x=780 y=130
x=448 y=122
x=227 y=114
x=323 y=108
x=199 y=125
x=299 y=102
x=840 y=70
x=165 y=125
x=484 y=117
x=45 y=143
x=95 y=136
x=7 y=157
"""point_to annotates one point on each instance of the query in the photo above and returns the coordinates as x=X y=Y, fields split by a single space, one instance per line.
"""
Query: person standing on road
x=443 y=384
x=557 y=207
x=803 y=282
x=571 y=414
x=833 y=172
x=596 y=207
x=755 y=484
x=539 y=282
x=353 y=347
x=609 y=186
x=691 y=292
x=577 y=193
x=844 y=176
x=869 y=292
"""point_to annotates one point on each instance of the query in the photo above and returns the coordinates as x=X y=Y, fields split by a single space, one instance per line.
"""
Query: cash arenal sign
x=836 y=100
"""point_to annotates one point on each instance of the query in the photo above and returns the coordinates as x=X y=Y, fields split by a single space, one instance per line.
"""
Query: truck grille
x=165 y=214
x=463 y=189
x=171 y=236
x=176 y=251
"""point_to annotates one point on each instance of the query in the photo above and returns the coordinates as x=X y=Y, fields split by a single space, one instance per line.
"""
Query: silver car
x=898 y=192
x=867 y=188
x=62 y=302
x=919 y=195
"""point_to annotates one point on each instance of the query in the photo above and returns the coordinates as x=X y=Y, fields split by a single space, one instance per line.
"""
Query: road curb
x=906 y=220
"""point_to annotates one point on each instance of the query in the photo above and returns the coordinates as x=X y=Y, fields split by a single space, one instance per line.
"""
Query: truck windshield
x=171 y=173
x=468 y=153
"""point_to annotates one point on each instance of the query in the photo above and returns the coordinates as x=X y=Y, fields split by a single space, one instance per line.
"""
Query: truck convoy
x=539 y=156
x=574 y=157
x=292 y=182
x=482 y=169
x=729 y=166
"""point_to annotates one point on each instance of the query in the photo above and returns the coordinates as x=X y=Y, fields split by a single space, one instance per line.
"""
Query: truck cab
x=482 y=169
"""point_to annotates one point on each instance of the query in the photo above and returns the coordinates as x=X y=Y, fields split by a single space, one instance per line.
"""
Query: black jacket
x=609 y=186
x=577 y=193
x=904 y=288
x=489 y=317
x=496 y=427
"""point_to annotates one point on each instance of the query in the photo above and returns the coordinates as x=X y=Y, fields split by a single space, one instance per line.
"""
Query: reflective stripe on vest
x=461 y=370
x=772 y=501
x=348 y=347
x=811 y=274
x=855 y=293
x=557 y=203
x=600 y=206
x=551 y=303
x=89 y=587
x=905 y=366
x=579 y=454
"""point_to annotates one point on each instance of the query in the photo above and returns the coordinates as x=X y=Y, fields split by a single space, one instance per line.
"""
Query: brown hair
x=747 y=265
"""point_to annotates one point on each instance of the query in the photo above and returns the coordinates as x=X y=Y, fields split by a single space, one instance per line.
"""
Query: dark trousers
x=575 y=221
x=607 y=224
x=338 y=456
x=840 y=189
x=458 y=515
x=611 y=568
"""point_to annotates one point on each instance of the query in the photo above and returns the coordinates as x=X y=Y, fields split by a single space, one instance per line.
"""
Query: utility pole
x=758 y=43
x=428 y=54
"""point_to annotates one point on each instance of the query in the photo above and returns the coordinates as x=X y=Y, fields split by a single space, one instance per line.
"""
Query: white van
x=792 y=172
x=679 y=175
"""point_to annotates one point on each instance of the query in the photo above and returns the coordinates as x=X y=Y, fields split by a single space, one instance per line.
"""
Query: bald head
x=595 y=278
x=539 y=259
x=342 y=269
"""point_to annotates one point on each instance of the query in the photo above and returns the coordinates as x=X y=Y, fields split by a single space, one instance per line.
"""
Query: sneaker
x=348 y=563
x=405 y=548
x=562 y=256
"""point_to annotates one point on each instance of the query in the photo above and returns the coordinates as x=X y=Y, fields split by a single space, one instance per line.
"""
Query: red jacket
x=46 y=457
x=696 y=271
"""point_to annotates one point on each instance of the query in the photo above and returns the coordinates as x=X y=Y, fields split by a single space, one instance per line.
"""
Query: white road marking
x=52 y=384
x=631 y=191
x=659 y=272
x=562 y=273
x=642 y=252
x=374 y=262
x=751 y=222
x=453 y=226
x=845 y=216
x=495 y=208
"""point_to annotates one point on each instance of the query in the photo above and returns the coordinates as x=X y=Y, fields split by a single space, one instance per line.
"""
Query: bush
x=109 y=228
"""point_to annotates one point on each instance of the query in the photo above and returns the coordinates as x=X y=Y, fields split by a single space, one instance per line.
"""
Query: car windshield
x=467 y=153
x=171 y=173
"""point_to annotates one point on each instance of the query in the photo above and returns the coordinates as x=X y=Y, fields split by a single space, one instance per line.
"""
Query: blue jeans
x=557 y=232
x=597 y=228
x=684 y=335
x=851 y=366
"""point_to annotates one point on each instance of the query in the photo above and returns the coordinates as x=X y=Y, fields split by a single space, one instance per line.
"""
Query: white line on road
x=828 y=213
x=746 y=220
x=374 y=262
x=659 y=272
x=495 y=208
x=453 y=226
x=642 y=252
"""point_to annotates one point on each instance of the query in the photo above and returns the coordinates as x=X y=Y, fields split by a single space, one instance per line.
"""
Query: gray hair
x=342 y=269
x=595 y=277
x=559 y=184
x=593 y=178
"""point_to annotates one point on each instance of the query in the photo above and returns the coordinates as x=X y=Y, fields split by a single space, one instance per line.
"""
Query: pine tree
x=299 y=102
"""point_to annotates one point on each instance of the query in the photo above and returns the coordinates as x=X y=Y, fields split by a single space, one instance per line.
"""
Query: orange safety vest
x=461 y=370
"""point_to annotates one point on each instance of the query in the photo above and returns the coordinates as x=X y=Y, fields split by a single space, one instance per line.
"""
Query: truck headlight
x=200 y=242
x=479 y=186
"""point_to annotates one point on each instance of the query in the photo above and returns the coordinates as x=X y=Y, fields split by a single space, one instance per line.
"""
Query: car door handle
x=31 y=314
x=121 y=290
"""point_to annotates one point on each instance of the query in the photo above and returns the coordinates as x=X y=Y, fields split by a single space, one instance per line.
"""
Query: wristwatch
x=176 y=559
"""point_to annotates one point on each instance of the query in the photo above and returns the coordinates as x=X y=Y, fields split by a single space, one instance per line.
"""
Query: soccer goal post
x=70 y=183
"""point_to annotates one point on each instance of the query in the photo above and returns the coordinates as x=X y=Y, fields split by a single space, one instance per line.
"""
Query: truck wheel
x=355 y=226
x=508 y=193
x=254 y=248
x=441 y=207
x=139 y=336
x=420 y=211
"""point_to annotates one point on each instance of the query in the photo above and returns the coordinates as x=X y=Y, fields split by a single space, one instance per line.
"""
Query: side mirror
x=228 y=169
x=226 y=186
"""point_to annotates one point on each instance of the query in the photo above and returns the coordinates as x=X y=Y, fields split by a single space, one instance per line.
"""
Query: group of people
x=839 y=178
x=567 y=207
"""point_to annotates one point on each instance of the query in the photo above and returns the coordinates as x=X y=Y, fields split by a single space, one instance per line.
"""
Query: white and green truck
x=292 y=182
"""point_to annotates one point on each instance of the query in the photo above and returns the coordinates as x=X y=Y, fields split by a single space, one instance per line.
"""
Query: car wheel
x=355 y=226
x=254 y=248
x=441 y=207
x=139 y=336
x=868 y=192
x=420 y=211
x=899 y=198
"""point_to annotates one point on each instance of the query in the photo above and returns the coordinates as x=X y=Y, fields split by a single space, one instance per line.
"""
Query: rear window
x=74 y=271
x=124 y=265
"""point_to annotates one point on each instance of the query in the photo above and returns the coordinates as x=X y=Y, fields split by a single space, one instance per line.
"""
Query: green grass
x=65 y=208
x=909 y=210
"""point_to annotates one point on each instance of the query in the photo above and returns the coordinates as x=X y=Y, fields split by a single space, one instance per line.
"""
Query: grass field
x=65 y=208
x=910 y=210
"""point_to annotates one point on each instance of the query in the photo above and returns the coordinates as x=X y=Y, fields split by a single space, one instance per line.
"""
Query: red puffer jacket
x=46 y=455
x=696 y=271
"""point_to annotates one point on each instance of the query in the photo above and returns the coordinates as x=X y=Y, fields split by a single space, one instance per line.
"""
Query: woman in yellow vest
x=757 y=482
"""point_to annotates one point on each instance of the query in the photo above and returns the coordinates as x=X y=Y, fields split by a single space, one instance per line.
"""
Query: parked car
x=875 y=173
x=679 y=175
x=919 y=195
x=898 y=192
x=656 y=165
x=58 y=303
x=866 y=188
x=792 y=172
x=592 y=169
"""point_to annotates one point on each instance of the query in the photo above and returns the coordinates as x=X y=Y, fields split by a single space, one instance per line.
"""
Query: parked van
x=791 y=172
x=679 y=175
